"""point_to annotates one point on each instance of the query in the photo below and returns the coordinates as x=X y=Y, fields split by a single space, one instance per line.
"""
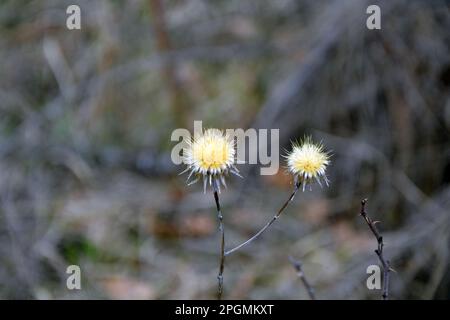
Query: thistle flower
x=307 y=162
x=211 y=156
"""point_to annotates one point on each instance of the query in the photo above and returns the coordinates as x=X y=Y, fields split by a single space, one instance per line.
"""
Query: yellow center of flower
x=308 y=160
x=212 y=151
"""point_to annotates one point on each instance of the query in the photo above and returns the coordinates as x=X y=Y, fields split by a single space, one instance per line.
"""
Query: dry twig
x=379 y=251
x=222 y=246
x=268 y=224
x=298 y=267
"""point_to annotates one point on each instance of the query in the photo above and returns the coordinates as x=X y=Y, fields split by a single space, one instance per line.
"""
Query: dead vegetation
x=85 y=170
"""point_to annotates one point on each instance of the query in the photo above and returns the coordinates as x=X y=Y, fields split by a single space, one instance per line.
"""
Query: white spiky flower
x=210 y=156
x=308 y=161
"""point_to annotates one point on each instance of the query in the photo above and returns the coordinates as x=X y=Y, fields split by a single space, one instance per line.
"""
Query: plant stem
x=222 y=246
x=275 y=217
x=298 y=267
x=379 y=250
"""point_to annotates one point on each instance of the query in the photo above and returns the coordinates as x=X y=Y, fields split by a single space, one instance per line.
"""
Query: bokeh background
x=86 y=118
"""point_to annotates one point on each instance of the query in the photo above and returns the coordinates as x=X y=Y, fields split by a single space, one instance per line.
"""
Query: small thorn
x=189 y=176
x=375 y=222
x=222 y=179
x=233 y=171
x=192 y=182
x=184 y=171
x=318 y=181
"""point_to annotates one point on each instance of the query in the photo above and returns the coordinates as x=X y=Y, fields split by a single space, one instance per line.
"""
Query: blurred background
x=86 y=117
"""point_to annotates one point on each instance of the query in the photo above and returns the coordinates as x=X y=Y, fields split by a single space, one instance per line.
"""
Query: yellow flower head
x=308 y=161
x=211 y=156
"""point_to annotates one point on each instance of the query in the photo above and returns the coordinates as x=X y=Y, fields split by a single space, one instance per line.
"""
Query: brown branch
x=298 y=267
x=164 y=45
x=379 y=250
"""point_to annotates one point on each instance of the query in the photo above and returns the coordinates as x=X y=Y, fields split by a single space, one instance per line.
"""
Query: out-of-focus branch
x=164 y=45
x=298 y=267
x=379 y=251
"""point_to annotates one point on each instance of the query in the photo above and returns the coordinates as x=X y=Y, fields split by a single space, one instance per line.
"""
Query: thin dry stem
x=275 y=217
x=222 y=246
x=298 y=267
x=379 y=250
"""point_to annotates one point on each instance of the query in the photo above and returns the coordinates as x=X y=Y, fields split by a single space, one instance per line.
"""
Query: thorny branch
x=298 y=267
x=379 y=250
x=275 y=217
